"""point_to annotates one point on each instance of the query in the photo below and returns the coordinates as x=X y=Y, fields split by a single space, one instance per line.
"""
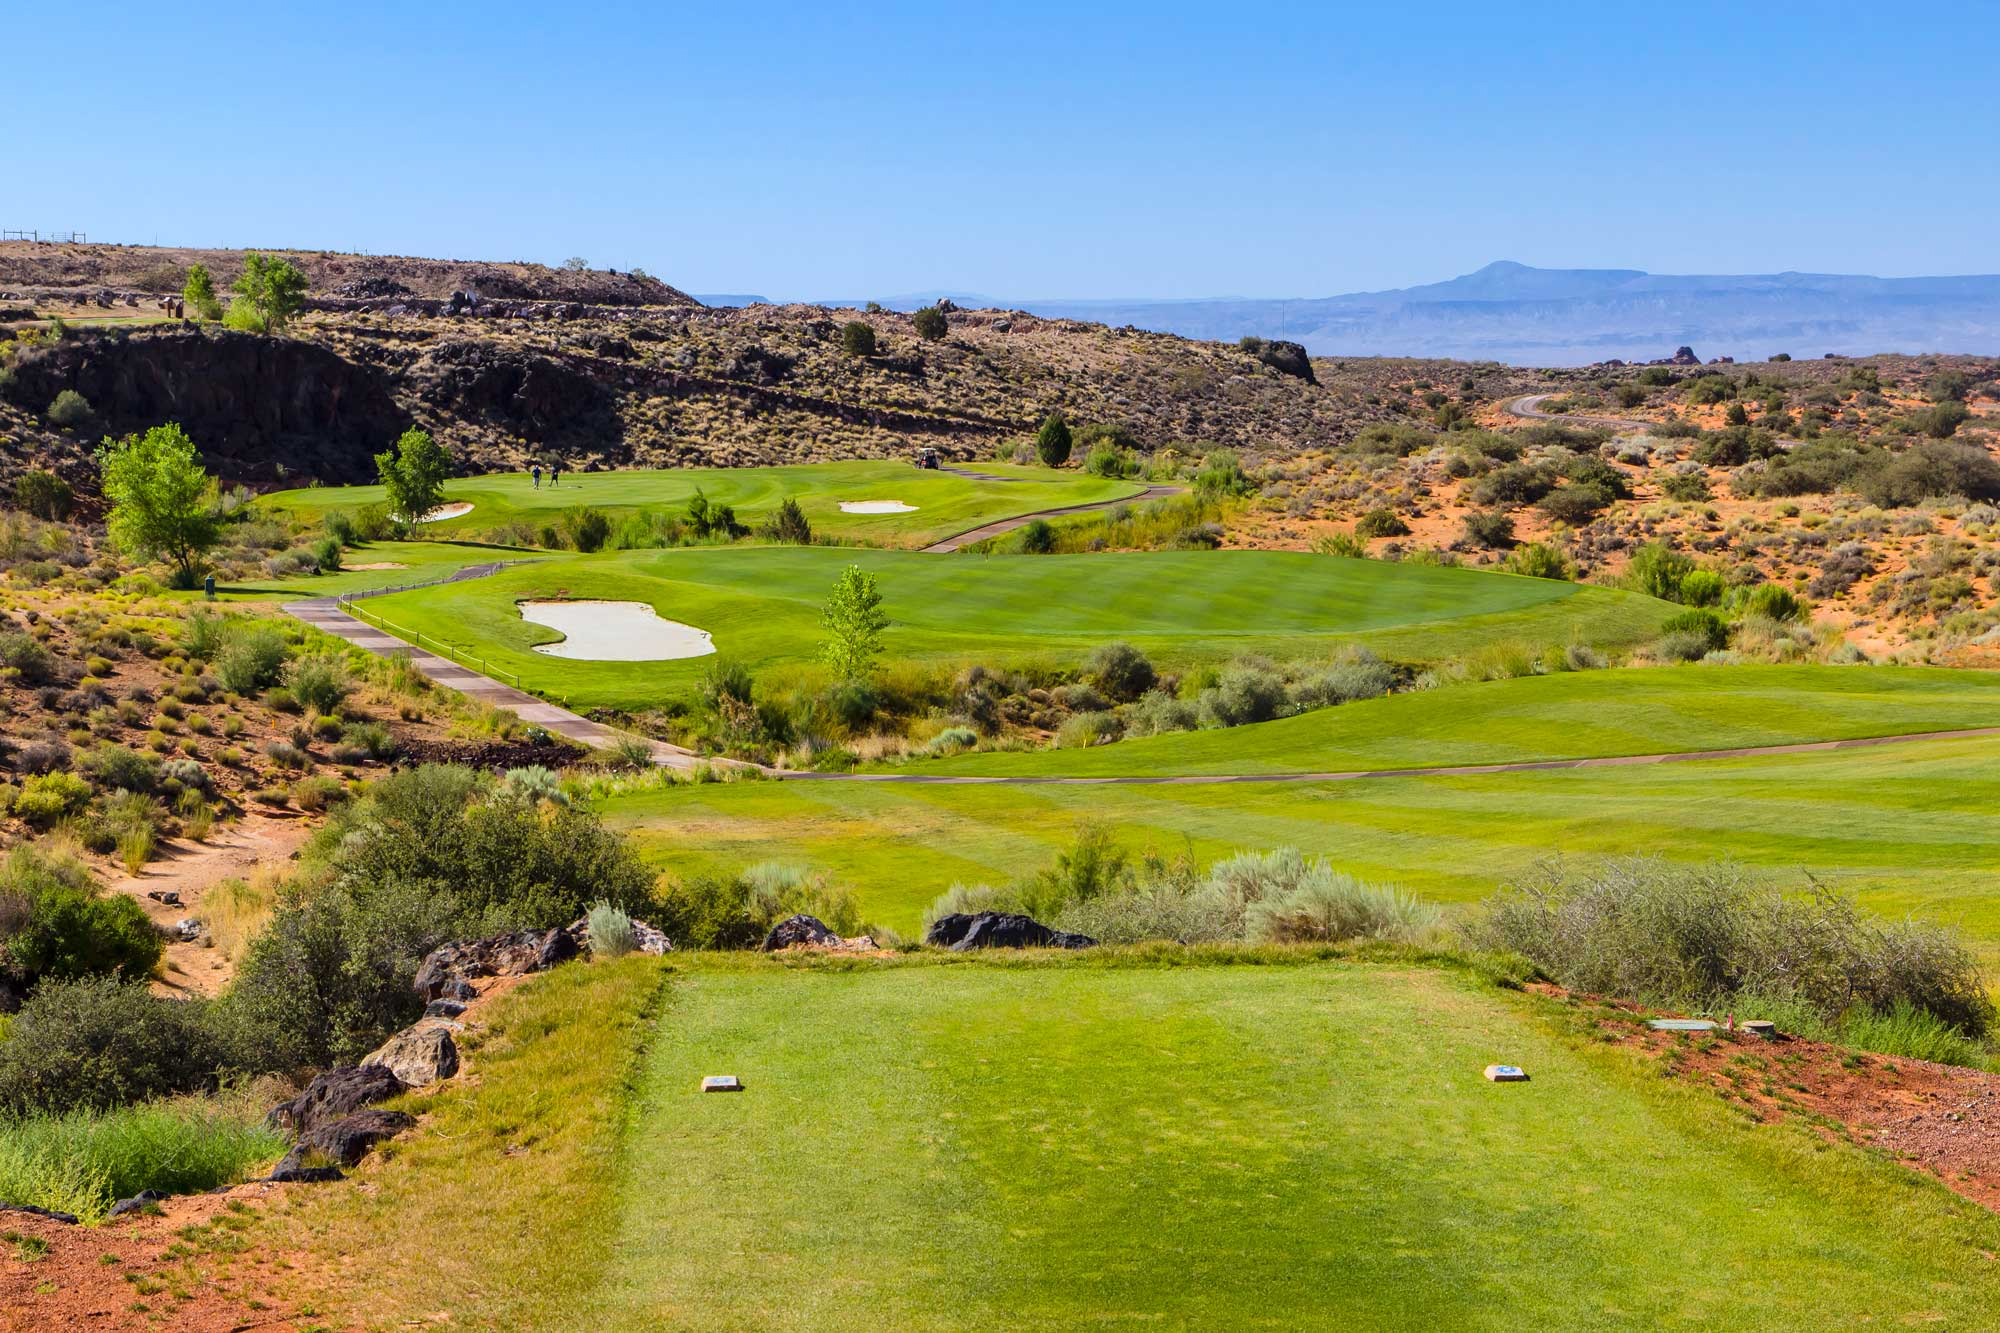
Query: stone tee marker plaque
x=1506 y=1074
x=722 y=1083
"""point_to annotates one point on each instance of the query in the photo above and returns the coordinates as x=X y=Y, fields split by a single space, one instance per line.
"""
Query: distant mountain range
x=1557 y=317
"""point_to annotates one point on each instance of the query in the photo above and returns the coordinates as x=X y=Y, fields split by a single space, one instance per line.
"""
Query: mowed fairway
x=1905 y=827
x=976 y=1146
x=394 y=564
x=944 y=503
x=762 y=605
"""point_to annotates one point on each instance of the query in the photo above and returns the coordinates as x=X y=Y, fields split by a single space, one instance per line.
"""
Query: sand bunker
x=443 y=512
x=615 y=632
x=376 y=564
x=876 y=507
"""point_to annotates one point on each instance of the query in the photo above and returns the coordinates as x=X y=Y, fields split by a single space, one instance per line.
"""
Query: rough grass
x=82 y=1163
x=974 y=1146
x=762 y=605
x=497 y=1205
x=946 y=504
x=1905 y=827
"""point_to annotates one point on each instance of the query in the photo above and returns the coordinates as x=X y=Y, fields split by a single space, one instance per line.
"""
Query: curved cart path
x=1528 y=407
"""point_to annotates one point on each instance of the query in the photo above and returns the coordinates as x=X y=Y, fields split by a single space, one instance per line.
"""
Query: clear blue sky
x=1133 y=150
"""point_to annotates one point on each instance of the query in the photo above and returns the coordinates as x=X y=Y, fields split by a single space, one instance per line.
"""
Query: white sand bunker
x=443 y=512
x=876 y=507
x=615 y=632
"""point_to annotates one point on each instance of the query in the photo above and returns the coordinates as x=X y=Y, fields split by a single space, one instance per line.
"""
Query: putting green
x=944 y=503
x=762 y=605
x=1309 y=1146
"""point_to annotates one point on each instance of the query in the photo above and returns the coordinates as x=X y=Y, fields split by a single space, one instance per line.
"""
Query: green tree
x=199 y=293
x=857 y=338
x=854 y=622
x=930 y=323
x=1053 y=440
x=414 y=474
x=272 y=290
x=162 y=500
x=789 y=524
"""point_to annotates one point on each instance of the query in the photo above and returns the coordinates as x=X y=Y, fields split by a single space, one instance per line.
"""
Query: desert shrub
x=1038 y=537
x=1540 y=560
x=1222 y=474
x=1940 y=421
x=49 y=755
x=49 y=797
x=1491 y=529
x=1576 y=503
x=929 y=323
x=319 y=681
x=1329 y=906
x=1108 y=460
x=1708 y=390
x=1093 y=865
x=1157 y=711
x=99 y=1042
x=1355 y=674
x=708 y=912
x=45 y=495
x=611 y=933
x=1515 y=483
x=112 y=767
x=1933 y=468
x=1121 y=671
x=27 y=655
x=69 y=410
x=1689 y=487
x=1709 y=626
x=429 y=855
x=1701 y=587
x=1682 y=646
x=952 y=740
x=857 y=338
x=1244 y=693
x=778 y=889
x=1343 y=544
x=55 y=924
x=1701 y=935
x=203 y=636
x=1772 y=602
x=82 y=1162
x=1380 y=523
x=1186 y=913
x=585 y=528
x=1657 y=570
x=252 y=658
x=1081 y=730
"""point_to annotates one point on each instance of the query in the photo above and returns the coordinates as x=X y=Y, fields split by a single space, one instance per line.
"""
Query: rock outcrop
x=336 y=1094
x=800 y=930
x=961 y=932
x=513 y=954
x=349 y=1139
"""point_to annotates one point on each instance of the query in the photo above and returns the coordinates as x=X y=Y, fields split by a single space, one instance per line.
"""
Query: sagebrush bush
x=1121 y=671
x=251 y=658
x=319 y=681
x=1330 y=906
x=611 y=933
x=1700 y=935
x=1245 y=692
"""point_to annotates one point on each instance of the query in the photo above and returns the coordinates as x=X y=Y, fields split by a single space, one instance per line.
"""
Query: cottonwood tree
x=271 y=292
x=854 y=622
x=414 y=474
x=162 y=499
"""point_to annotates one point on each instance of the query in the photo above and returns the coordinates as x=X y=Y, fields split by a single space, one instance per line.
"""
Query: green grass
x=417 y=561
x=762 y=606
x=1906 y=827
x=1571 y=715
x=82 y=1163
x=946 y=504
x=1312 y=1146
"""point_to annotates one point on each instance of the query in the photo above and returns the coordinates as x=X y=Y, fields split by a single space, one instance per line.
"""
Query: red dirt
x=1942 y=1120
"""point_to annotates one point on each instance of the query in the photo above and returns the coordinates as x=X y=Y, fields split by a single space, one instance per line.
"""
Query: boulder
x=350 y=1138
x=444 y=1009
x=960 y=932
x=33 y=1211
x=420 y=1055
x=337 y=1093
x=137 y=1203
x=1287 y=358
x=800 y=929
x=508 y=955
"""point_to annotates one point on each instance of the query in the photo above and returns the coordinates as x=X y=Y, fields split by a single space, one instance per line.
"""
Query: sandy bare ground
x=190 y=869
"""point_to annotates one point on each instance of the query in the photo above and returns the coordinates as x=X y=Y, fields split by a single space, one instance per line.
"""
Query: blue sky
x=1031 y=150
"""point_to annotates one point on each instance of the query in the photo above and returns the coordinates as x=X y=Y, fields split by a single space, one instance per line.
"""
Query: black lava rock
x=800 y=929
x=334 y=1094
x=1000 y=930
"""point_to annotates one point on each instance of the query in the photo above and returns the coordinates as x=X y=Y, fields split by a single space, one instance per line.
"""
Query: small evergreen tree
x=857 y=338
x=789 y=524
x=930 y=323
x=1053 y=440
